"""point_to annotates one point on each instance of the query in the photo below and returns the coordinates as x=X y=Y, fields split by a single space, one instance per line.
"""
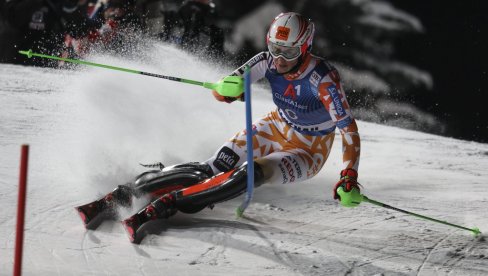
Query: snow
x=88 y=129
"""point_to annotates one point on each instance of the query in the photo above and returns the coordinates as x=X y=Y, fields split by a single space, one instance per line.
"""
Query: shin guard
x=222 y=187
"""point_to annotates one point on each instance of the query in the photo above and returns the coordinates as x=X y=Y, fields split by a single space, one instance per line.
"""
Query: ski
x=133 y=224
x=156 y=185
x=94 y=213
x=162 y=207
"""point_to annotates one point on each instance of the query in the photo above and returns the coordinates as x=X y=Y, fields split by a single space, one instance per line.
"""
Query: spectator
x=116 y=15
x=39 y=24
x=193 y=27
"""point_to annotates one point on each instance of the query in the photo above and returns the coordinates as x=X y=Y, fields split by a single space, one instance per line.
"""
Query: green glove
x=230 y=86
x=349 y=199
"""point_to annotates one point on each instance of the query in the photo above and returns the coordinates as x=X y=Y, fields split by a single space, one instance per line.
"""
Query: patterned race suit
x=294 y=141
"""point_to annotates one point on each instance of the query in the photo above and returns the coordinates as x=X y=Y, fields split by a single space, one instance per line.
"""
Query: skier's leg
x=222 y=187
x=219 y=188
x=288 y=166
x=282 y=155
x=291 y=166
x=153 y=183
x=160 y=182
x=233 y=153
x=272 y=135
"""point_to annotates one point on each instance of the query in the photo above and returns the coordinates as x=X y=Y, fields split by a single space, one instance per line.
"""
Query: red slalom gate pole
x=19 y=239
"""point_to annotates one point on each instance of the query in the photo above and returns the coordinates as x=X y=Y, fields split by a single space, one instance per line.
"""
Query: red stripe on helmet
x=303 y=28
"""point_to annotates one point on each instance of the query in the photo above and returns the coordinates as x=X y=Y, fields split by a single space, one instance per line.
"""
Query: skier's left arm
x=334 y=99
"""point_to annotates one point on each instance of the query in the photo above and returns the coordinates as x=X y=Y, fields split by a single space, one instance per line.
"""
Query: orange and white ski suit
x=294 y=141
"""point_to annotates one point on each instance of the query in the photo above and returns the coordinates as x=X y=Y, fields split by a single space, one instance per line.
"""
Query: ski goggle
x=287 y=53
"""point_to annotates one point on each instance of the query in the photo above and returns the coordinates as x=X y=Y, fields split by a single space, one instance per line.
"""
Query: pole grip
x=19 y=239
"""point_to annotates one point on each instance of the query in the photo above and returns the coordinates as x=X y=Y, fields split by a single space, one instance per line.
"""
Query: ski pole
x=476 y=231
x=230 y=86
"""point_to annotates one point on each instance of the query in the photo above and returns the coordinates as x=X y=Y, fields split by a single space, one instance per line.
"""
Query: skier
x=291 y=143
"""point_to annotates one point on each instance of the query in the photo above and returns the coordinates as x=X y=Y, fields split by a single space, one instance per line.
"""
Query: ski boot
x=93 y=213
x=163 y=207
x=153 y=183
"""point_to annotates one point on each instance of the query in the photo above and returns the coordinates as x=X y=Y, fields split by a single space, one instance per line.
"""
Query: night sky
x=454 y=49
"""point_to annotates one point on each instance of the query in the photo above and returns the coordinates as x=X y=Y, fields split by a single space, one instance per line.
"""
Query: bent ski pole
x=475 y=230
x=230 y=86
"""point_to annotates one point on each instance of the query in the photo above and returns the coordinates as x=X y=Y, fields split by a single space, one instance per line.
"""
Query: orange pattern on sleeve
x=351 y=146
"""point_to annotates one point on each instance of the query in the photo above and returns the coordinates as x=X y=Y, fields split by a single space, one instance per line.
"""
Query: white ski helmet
x=290 y=36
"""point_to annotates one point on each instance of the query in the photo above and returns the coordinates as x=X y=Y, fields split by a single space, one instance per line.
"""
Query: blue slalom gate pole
x=250 y=163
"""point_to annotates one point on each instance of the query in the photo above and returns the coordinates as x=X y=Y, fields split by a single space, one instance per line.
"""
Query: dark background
x=454 y=50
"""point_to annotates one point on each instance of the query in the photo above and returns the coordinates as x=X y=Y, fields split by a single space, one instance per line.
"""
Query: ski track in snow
x=89 y=128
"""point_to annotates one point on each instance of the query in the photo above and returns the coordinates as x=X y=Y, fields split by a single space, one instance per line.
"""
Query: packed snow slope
x=88 y=129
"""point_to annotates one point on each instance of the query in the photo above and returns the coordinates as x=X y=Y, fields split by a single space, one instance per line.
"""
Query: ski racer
x=291 y=143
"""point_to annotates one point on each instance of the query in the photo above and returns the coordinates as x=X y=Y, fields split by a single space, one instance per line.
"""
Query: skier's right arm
x=258 y=66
